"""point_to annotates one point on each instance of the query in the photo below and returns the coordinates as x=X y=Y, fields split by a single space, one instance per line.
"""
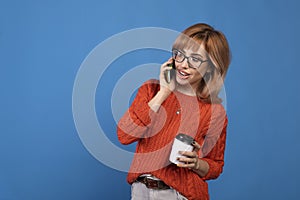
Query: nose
x=185 y=64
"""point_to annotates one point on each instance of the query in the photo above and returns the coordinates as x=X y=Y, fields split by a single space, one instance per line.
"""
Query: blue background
x=43 y=43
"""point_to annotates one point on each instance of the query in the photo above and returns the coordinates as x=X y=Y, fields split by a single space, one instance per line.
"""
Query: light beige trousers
x=139 y=191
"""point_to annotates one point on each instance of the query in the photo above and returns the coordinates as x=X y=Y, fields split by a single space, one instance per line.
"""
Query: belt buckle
x=150 y=183
x=154 y=184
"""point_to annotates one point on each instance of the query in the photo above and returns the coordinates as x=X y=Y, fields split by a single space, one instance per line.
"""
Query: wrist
x=158 y=99
x=201 y=167
x=163 y=93
x=197 y=165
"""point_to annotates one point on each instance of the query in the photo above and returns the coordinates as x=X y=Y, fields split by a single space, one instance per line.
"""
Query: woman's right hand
x=164 y=86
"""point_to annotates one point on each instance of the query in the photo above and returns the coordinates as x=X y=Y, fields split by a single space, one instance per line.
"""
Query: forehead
x=190 y=45
x=191 y=51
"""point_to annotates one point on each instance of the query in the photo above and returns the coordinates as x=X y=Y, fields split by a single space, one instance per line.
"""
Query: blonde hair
x=217 y=48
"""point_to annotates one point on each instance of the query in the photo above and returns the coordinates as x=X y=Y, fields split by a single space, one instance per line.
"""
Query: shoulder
x=213 y=106
x=151 y=83
x=218 y=107
x=213 y=110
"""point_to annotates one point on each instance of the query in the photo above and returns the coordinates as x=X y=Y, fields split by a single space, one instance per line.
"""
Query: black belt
x=153 y=184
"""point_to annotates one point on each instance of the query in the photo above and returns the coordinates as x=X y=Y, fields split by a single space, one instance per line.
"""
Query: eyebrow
x=193 y=54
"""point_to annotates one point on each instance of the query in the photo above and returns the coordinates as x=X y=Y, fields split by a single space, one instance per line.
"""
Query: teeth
x=182 y=73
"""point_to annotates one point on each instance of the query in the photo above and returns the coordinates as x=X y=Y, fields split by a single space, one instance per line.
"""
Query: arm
x=144 y=109
x=215 y=158
x=211 y=165
x=165 y=89
x=134 y=123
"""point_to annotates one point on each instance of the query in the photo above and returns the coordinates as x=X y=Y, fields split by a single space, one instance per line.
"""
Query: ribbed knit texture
x=155 y=133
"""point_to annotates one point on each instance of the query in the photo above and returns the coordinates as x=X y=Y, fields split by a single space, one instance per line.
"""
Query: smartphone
x=169 y=74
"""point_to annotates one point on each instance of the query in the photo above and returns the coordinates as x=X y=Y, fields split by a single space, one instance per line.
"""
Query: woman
x=188 y=104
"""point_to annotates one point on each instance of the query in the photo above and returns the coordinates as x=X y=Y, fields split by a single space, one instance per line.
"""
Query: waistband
x=153 y=183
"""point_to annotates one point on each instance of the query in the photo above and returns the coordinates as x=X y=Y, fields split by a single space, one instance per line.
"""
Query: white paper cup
x=182 y=142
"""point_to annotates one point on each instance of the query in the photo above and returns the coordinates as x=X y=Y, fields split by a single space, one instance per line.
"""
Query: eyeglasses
x=193 y=61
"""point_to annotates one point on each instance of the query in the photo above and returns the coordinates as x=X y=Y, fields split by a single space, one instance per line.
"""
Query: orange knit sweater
x=155 y=132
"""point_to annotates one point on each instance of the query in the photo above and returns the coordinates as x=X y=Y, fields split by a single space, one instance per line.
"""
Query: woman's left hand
x=190 y=159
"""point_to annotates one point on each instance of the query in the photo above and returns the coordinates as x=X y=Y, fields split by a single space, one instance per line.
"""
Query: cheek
x=198 y=75
x=201 y=72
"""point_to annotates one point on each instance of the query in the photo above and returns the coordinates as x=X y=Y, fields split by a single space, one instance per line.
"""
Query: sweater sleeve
x=214 y=143
x=135 y=122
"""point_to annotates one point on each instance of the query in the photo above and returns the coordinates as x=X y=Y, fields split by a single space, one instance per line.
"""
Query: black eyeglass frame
x=176 y=51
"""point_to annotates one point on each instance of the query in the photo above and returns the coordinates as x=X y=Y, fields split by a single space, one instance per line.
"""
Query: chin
x=182 y=82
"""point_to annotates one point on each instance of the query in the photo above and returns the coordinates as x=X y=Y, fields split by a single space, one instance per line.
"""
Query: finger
x=167 y=67
x=196 y=145
x=191 y=154
x=168 y=62
x=188 y=165
x=187 y=160
x=192 y=164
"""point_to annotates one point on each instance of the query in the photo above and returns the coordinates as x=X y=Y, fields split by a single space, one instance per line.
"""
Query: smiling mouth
x=182 y=75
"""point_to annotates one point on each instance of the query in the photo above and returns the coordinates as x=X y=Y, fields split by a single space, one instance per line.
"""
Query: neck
x=186 y=89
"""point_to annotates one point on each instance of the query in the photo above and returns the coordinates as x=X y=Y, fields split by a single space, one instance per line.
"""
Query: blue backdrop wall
x=43 y=43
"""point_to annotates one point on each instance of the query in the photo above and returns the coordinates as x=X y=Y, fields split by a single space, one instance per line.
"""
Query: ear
x=209 y=67
x=207 y=76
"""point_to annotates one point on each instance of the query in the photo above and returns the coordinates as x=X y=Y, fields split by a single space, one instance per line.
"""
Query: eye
x=179 y=54
x=194 y=59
